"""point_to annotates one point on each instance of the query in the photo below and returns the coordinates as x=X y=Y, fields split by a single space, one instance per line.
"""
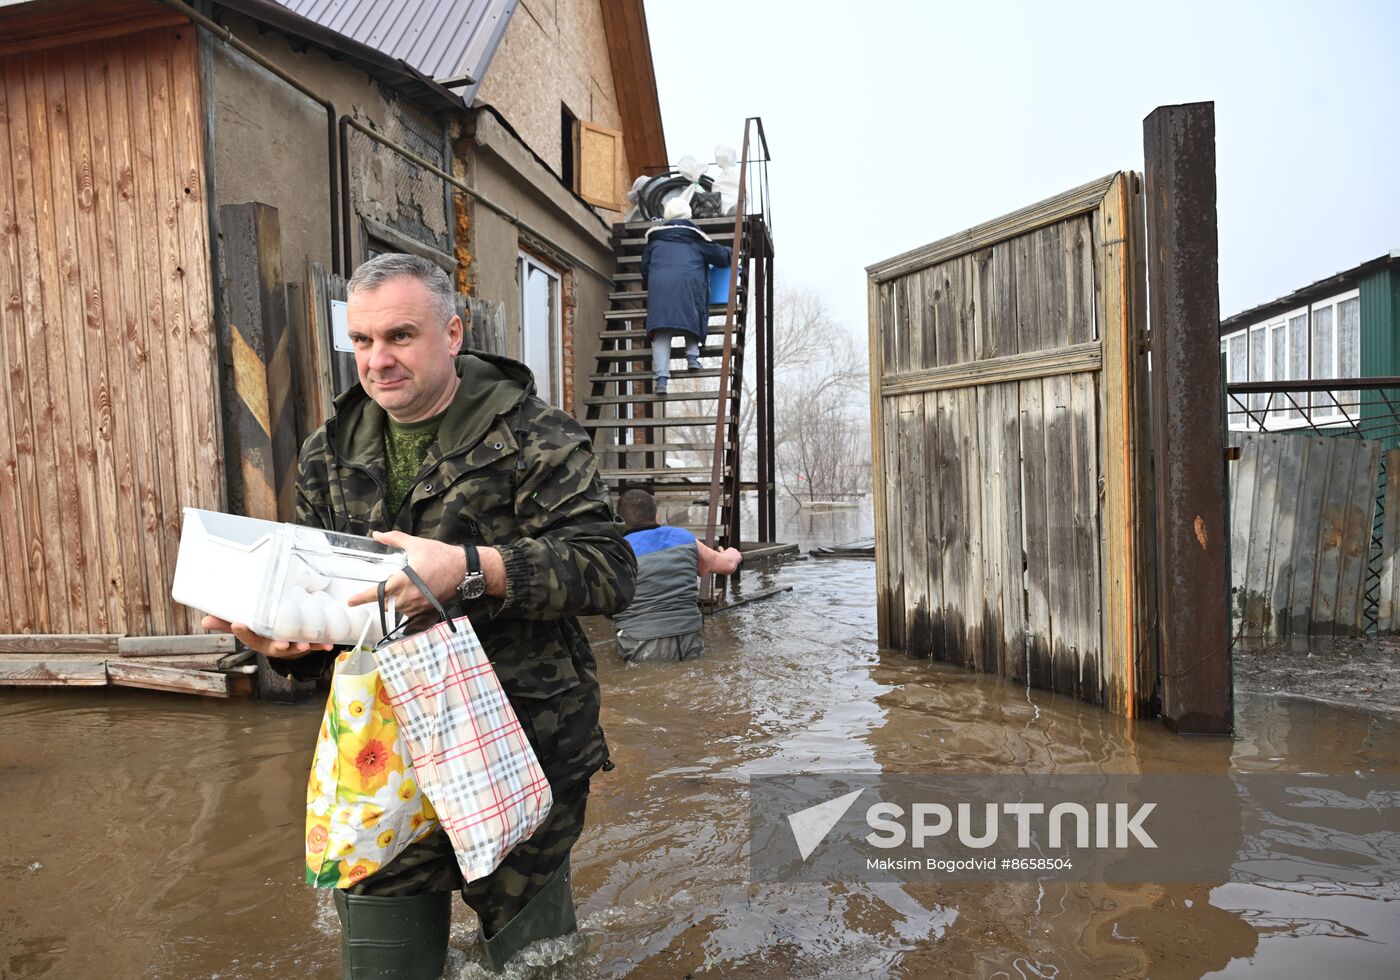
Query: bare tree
x=821 y=438
x=820 y=433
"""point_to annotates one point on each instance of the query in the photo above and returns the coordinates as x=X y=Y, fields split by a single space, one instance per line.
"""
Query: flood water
x=153 y=835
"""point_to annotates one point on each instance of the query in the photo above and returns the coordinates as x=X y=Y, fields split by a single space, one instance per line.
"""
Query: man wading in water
x=496 y=498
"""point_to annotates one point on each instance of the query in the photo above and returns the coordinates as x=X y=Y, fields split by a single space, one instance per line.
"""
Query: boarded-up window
x=600 y=158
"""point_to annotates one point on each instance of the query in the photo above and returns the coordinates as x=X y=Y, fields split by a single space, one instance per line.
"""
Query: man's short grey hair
x=393 y=265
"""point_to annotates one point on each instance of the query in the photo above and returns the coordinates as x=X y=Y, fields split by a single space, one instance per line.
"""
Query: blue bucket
x=719 y=285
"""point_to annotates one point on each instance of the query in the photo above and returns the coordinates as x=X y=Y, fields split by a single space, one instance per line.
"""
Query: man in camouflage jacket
x=517 y=478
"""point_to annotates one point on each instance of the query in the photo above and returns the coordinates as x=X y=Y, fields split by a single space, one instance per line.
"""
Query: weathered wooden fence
x=1013 y=510
x=1302 y=508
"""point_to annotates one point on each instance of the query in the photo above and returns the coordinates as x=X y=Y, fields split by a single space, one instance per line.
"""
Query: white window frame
x=525 y=263
x=1329 y=409
x=1259 y=365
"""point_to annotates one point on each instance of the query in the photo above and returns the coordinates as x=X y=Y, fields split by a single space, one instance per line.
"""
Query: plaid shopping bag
x=469 y=752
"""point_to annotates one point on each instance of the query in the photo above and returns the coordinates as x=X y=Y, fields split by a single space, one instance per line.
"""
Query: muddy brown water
x=150 y=835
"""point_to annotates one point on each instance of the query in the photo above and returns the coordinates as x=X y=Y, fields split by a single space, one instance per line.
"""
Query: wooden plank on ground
x=52 y=673
x=156 y=646
x=153 y=677
x=100 y=644
x=189 y=661
x=1388 y=609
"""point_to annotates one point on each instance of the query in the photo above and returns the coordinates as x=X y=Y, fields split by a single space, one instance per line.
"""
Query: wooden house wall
x=108 y=419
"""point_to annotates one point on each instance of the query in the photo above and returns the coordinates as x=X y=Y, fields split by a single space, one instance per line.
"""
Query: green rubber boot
x=549 y=915
x=384 y=936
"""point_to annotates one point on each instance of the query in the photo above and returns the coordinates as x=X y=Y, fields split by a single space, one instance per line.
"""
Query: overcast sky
x=895 y=124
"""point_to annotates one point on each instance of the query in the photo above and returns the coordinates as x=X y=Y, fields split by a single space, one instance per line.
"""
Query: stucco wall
x=555 y=52
x=270 y=145
x=502 y=169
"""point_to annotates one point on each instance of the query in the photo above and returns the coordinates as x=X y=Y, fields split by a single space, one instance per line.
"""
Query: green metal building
x=1344 y=326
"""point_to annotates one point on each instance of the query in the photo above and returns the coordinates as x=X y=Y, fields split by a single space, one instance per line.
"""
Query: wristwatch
x=473 y=582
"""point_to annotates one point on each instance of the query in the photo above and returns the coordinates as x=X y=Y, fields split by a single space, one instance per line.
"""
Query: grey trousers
x=662 y=650
x=661 y=350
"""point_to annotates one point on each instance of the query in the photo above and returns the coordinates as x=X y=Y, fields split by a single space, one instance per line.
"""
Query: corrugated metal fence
x=1302 y=508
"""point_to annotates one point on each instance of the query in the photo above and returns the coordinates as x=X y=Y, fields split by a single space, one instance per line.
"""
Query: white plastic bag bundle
x=635 y=213
x=727 y=180
x=692 y=170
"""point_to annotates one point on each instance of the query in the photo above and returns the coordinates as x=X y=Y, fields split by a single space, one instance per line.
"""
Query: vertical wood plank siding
x=1007 y=375
x=109 y=420
x=1301 y=513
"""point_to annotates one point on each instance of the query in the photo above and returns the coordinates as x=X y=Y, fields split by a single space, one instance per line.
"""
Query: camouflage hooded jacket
x=506 y=471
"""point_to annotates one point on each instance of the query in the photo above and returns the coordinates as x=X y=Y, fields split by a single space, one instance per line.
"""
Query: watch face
x=474 y=587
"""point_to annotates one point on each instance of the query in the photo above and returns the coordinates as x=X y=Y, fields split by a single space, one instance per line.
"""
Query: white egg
x=315 y=582
x=355 y=615
x=337 y=621
x=286 y=625
x=313 y=621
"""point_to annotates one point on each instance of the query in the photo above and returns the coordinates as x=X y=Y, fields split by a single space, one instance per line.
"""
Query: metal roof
x=1317 y=290
x=447 y=40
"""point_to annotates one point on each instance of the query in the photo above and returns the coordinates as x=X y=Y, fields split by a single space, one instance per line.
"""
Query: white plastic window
x=541 y=343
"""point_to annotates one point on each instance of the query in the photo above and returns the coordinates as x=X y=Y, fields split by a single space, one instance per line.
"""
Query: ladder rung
x=675 y=396
x=644 y=354
x=655 y=447
x=650 y=423
x=716 y=335
x=671 y=472
x=640 y=377
x=640 y=313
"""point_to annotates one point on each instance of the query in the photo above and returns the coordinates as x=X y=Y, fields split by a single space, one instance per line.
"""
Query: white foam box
x=262 y=574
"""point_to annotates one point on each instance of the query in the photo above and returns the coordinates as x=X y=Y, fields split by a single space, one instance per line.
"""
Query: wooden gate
x=109 y=417
x=1012 y=505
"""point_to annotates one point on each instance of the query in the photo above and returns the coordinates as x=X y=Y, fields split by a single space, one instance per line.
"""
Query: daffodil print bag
x=363 y=802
